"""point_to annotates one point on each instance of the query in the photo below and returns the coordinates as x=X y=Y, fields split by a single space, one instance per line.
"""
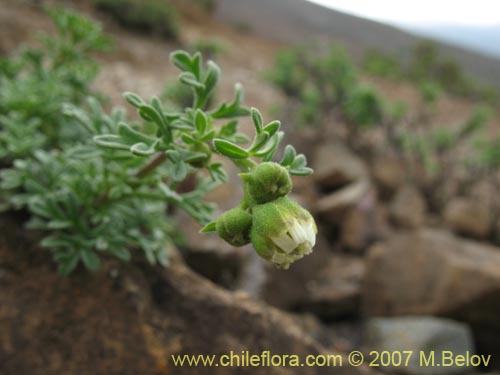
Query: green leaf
x=121 y=253
x=259 y=141
x=211 y=77
x=149 y=113
x=68 y=265
x=178 y=171
x=142 y=149
x=229 y=149
x=268 y=152
x=132 y=136
x=302 y=171
x=201 y=121
x=241 y=139
x=134 y=99
x=210 y=227
x=55 y=242
x=182 y=60
x=196 y=65
x=90 y=260
x=288 y=156
x=190 y=80
x=217 y=173
x=169 y=193
x=272 y=128
x=234 y=109
x=228 y=129
x=299 y=162
x=208 y=136
x=110 y=141
x=187 y=139
x=257 y=120
x=58 y=224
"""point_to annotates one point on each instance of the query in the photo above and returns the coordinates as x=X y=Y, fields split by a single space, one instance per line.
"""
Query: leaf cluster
x=99 y=184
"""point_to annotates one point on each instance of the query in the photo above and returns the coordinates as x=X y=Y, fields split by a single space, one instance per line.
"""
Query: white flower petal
x=285 y=243
x=311 y=234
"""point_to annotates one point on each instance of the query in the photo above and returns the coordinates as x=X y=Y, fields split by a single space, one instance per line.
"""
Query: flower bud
x=282 y=231
x=267 y=182
x=233 y=226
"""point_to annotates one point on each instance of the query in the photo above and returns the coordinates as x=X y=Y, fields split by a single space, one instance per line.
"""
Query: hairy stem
x=155 y=162
x=245 y=165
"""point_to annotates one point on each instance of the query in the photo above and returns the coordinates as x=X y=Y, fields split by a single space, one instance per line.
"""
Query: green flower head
x=282 y=231
x=267 y=182
x=233 y=226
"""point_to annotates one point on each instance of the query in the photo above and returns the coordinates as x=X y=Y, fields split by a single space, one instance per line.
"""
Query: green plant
x=288 y=73
x=364 y=107
x=155 y=16
x=209 y=48
x=379 y=64
x=106 y=191
x=318 y=83
x=429 y=92
x=208 y=5
x=442 y=153
x=336 y=71
x=37 y=81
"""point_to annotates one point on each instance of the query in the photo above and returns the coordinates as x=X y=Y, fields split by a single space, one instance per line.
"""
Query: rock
x=363 y=224
x=286 y=290
x=336 y=166
x=420 y=335
x=388 y=174
x=326 y=284
x=208 y=254
x=434 y=273
x=468 y=217
x=355 y=232
x=333 y=206
x=335 y=291
x=130 y=318
x=408 y=208
x=211 y=256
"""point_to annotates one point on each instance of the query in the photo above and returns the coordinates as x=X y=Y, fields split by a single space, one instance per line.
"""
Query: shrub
x=289 y=72
x=319 y=83
x=381 y=65
x=154 y=16
x=208 y=5
x=105 y=190
x=336 y=72
x=210 y=48
x=364 y=107
x=37 y=81
x=429 y=92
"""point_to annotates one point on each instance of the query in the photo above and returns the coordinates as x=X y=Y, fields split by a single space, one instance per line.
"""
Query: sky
x=424 y=12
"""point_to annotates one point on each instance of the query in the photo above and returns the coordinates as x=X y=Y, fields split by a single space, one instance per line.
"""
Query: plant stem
x=245 y=165
x=155 y=162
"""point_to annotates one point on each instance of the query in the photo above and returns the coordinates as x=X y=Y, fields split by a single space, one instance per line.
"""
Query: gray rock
x=211 y=256
x=335 y=291
x=388 y=174
x=408 y=208
x=363 y=224
x=333 y=206
x=422 y=336
x=129 y=319
x=435 y=273
x=468 y=217
x=336 y=166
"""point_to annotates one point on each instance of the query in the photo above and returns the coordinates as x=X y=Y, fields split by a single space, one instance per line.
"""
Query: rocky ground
x=386 y=273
